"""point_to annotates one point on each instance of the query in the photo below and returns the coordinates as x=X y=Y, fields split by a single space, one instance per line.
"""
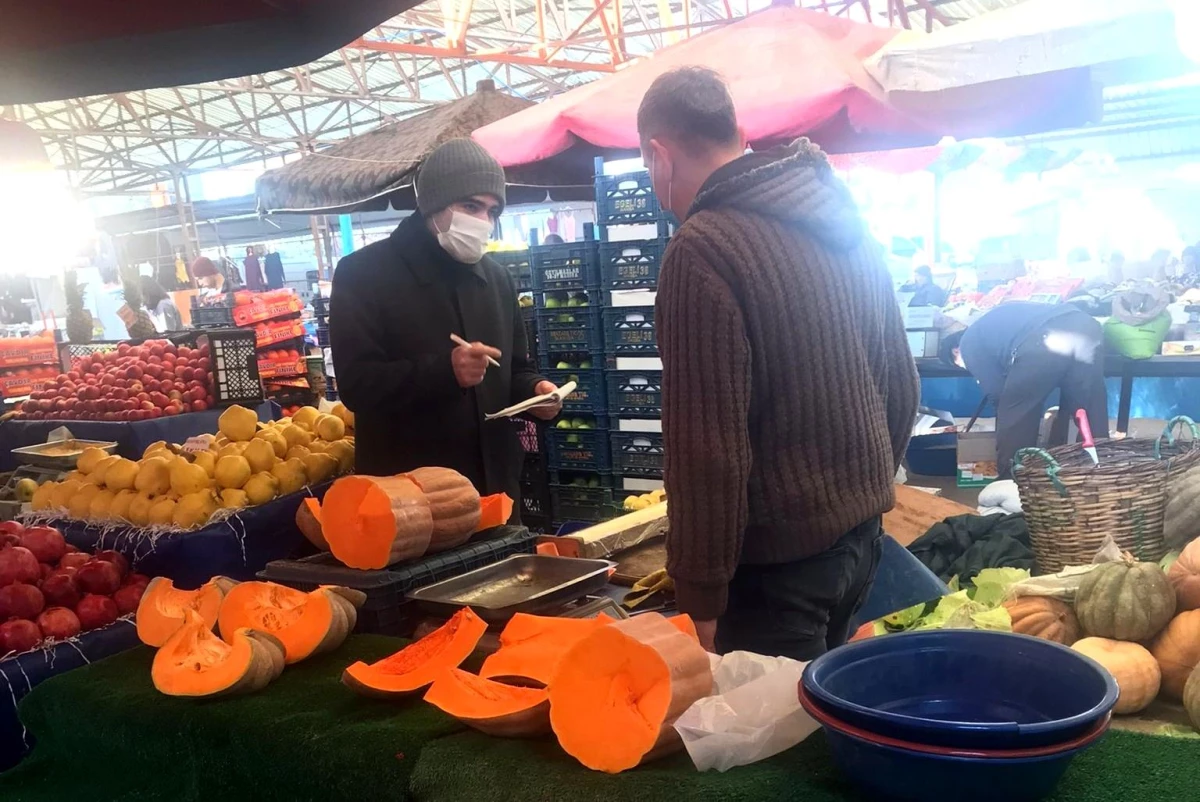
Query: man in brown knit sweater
x=789 y=389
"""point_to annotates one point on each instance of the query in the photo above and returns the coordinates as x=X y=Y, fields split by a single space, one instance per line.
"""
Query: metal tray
x=35 y=455
x=524 y=583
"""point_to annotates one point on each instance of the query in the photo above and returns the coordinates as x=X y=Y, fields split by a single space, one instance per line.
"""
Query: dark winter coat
x=393 y=308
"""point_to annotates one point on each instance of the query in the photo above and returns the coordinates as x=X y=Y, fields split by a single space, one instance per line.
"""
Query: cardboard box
x=977 y=457
x=924 y=343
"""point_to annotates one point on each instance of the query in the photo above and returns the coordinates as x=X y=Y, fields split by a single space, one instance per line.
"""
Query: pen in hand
x=454 y=338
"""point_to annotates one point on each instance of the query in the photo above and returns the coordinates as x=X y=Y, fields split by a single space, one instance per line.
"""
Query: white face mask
x=466 y=237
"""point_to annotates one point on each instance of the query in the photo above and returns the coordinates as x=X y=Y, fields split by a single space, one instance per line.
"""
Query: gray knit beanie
x=458 y=169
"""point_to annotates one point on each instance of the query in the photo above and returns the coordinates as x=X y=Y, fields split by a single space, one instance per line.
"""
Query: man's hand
x=470 y=363
x=549 y=411
x=707 y=632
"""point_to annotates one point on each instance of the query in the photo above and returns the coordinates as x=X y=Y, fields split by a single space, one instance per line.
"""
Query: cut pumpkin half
x=420 y=663
x=618 y=692
x=308 y=521
x=374 y=521
x=305 y=623
x=531 y=647
x=491 y=707
x=195 y=662
x=161 y=611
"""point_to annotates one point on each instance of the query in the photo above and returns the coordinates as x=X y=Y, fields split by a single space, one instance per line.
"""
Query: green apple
x=564 y=366
x=579 y=481
x=594 y=482
x=552 y=302
x=573 y=439
x=563 y=424
x=574 y=302
x=580 y=423
x=585 y=364
x=573 y=378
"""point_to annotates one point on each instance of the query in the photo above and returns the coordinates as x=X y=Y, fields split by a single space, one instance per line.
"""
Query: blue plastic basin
x=900 y=775
x=963 y=688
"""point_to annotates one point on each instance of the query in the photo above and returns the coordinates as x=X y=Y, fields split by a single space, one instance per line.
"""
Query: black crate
x=528 y=434
x=626 y=199
x=516 y=263
x=320 y=305
x=568 y=266
x=384 y=613
x=568 y=361
x=636 y=393
x=535 y=492
x=631 y=265
x=234 y=357
x=578 y=450
x=575 y=329
x=590 y=396
x=579 y=503
x=629 y=331
x=212 y=317
x=322 y=337
x=637 y=454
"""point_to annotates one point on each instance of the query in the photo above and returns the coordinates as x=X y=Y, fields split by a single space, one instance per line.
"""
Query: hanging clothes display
x=274 y=267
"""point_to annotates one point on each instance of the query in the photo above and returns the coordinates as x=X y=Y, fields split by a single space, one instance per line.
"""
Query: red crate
x=263 y=309
x=25 y=380
x=19 y=351
x=278 y=368
x=274 y=333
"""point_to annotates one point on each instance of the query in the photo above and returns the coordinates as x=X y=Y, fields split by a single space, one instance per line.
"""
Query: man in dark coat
x=420 y=400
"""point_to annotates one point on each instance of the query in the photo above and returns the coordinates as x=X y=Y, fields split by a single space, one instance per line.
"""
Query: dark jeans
x=801 y=609
x=1037 y=371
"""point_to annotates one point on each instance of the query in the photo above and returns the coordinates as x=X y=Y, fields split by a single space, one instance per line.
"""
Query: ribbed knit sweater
x=789 y=389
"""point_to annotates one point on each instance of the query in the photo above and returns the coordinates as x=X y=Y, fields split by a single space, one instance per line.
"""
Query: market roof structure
x=135 y=138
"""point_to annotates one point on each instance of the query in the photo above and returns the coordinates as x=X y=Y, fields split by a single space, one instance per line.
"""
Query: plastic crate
x=234 y=366
x=577 y=503
x=320 y=305
x=578 y=450
x=567 y=266
x=383 y=613
x=637 y=454
x=589 y=397
x=535 y=492
x=323 y=337
x=573 y=329
x=527 y=433
x=517 y=265
x=634 y=392
x=631 y=265
x=629 y=331
x=212 y=317
x=626 y=199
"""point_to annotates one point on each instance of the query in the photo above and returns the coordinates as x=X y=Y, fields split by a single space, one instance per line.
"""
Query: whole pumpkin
x=1184 y=576
x=1177 y=650
x=1131 y=665
x=1125 y=600
x=1044 y=618
x=1191 y=698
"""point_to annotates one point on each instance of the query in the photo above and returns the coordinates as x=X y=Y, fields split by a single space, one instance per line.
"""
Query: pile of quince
x=246 y=464
x=634 y=503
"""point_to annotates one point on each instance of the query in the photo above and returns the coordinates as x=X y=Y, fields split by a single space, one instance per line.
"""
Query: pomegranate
x=116 y=558
x=9 y=539
x=20 y=601
x=17 y=564
x=136 y=579
x=128 y=598
x=74 y=559
x=47 y=570
x=45 y=542
x=98 y=576
x=59 y=623
x=71 y=549
x=19 y=636
x=96 y=611
x=11 y=528
x=60 y=589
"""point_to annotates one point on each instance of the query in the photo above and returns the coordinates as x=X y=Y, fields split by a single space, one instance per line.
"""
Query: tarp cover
x=791 y=72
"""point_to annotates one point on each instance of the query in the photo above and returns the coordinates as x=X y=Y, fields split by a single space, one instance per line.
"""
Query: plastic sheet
x=754 y=712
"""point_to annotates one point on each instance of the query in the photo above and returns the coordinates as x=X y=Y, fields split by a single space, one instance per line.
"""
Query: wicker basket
x=1071 y=504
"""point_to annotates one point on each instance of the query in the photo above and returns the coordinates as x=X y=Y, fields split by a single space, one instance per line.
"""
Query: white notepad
x=549 y=399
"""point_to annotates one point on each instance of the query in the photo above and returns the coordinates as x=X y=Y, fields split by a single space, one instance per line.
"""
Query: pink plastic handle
x=1085 y=429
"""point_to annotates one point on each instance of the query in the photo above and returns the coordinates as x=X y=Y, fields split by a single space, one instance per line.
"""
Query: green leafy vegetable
x=997 y=619
x=992 y=584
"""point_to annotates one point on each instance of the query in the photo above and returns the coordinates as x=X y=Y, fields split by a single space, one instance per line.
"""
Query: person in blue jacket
x=1020 y=352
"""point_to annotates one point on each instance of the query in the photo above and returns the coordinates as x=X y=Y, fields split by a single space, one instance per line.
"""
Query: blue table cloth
x=131 y=437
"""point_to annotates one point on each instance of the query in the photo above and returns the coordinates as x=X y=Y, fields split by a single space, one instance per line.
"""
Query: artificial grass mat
x=104 y=733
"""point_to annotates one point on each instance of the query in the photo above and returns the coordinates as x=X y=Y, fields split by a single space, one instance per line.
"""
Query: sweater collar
x=794 y=184
x=425 y=256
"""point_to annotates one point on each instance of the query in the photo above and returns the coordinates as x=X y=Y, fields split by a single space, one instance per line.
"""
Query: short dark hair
x=924 y=272
x=947 y=345
x=690 y=105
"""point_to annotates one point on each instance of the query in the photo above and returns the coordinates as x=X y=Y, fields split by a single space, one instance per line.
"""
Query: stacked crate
x=320 y=305
x=535 y=480
x=629 y=270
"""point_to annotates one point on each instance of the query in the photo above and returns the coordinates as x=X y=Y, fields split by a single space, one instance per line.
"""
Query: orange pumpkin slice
x=491 y=707
x=618 y=691
x=531 y=647
x=195 y=662
x=495 y=511
x=305 y=623
x=308 y=521
x=420 y=663
x=375 y=521
x=161 y=612
x=453 y=503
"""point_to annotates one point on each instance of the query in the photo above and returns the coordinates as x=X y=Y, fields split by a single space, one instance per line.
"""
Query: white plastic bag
x=1065 y=584
x=754 y=712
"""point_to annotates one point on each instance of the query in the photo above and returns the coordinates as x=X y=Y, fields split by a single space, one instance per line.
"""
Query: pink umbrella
x=791 y=72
